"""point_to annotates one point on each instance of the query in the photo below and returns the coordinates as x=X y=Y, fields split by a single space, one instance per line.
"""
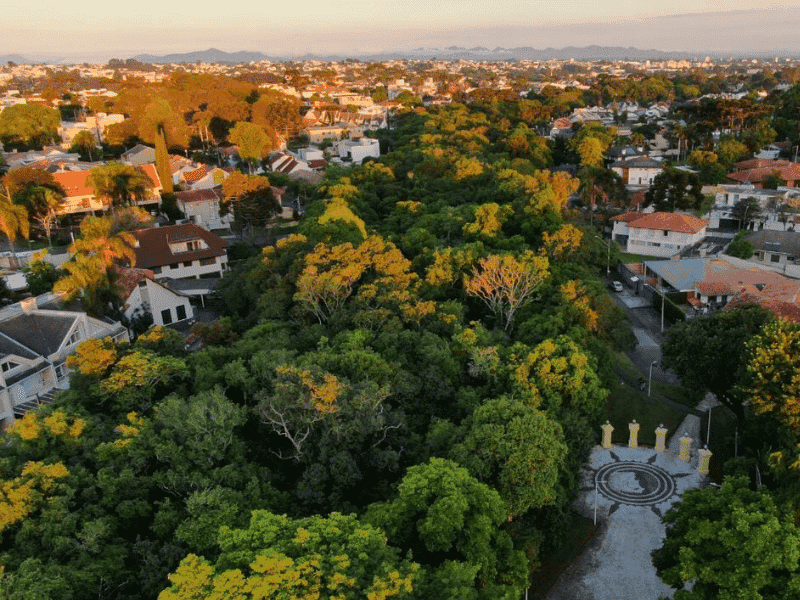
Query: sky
x=102 y=29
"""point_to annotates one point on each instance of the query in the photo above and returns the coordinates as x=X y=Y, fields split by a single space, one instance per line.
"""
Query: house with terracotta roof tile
x=79 y=196
x=758 y=170
x=181 y=252
x=658 y=233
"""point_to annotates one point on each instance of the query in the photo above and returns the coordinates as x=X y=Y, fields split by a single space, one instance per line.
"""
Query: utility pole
x=661 y=285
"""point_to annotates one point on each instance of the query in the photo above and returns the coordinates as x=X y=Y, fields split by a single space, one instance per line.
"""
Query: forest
x=396 y=405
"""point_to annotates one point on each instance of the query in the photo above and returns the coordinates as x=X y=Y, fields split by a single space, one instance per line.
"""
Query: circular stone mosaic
x=635 y=483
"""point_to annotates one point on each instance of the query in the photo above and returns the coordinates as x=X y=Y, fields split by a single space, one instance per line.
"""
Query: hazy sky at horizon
x=97 y=27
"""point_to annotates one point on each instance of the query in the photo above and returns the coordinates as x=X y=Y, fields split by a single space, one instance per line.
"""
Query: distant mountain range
x=213 y=55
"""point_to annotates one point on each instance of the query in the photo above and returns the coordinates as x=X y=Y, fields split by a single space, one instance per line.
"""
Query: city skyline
x=96 y=30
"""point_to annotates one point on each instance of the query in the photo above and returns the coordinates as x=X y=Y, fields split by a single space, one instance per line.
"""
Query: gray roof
x=41 y=333
x=638 y=163
x=783 y=242
x=9 y=346
x=680 y=274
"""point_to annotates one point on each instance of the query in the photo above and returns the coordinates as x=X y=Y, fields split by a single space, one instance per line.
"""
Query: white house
x=181 y=251
x=144 y=295
x=638 y=171
x=36 y=336
x=776 y=212
x=358 y=149
x=201 y=207
x=657 y=234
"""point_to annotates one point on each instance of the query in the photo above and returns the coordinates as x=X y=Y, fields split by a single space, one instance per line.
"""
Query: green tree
x=162 y=163
x=730 y=150
x=85 y=144
x=675 y=189
x=118 y=184
x=279 y=557
x=709 y=353
x=252 y=140
x=517 y=450
x=747 y=211
x=740 y=248
x=29 y=124
x=13 y=219
x=771 y=379
x=40 y=275
x=730 y=542
x=444 y=514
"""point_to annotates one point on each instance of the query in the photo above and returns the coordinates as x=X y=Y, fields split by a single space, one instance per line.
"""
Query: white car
x=616 y=286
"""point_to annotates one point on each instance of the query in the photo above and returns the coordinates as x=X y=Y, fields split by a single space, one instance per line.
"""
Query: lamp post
x=650 y=377
x=608 y=255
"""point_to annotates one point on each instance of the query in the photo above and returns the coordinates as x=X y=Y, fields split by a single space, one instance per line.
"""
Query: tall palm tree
x=13 y=219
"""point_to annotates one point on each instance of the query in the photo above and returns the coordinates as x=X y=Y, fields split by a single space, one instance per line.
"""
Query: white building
x=657 y=234
x=639 y=171
x=201 y=207
x=36 y=337
x=144 y=295
x=358 y=149
x=181 y=252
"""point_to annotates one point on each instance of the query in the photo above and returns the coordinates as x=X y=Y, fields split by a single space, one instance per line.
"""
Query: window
x=8 y=365
x=166 y=316
x=666 y=233
x=775 y=258
x=74 y=338
x=207 y=261
x=143 y=283
x=61 y=371
x=174 y=266
x=188 y=263
x=181 y=312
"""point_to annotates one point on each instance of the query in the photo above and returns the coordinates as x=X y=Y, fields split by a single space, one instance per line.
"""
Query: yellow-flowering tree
x=334 y=558
x=505 y=284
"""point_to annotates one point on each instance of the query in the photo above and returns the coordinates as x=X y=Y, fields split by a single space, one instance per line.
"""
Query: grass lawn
x=579 y=536
x=624 y=404
x=626 y=257
x=677 y=393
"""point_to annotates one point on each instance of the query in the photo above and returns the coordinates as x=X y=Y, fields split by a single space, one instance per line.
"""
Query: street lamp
x=650 y=377
x=595 y=497
x=608 y=255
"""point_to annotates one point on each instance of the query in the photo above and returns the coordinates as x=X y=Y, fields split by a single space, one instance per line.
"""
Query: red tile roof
x=715 y=288
x=782 y=310
x=670 y=222
x=627 y=217
x=198 y=196
x=154 y=250
x=75 y=185
x=129 y=277
x=787 y=171
x=197 y=174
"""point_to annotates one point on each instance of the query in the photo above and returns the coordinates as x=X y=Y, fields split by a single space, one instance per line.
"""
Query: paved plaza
x=635 y=488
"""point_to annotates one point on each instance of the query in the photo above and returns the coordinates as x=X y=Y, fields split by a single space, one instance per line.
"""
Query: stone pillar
x=633 y=442
x=661 y=438
x=686 y=446
x=705 y=457
x=607 y=428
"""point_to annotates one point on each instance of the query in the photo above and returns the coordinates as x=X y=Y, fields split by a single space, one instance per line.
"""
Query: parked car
x=616 y=286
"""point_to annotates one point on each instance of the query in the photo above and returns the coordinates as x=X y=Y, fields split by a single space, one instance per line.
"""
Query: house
x=658 y=233
x=758 y=171
x=79 y=195
x=776 y=248
x=711 y=283
x=357 y=149
x=181 y=251
x=201 y=207
x=36 y=337
x=638 y=171
x=139 y=155
x=776 y=212
x=142 y=294
x=320 y=132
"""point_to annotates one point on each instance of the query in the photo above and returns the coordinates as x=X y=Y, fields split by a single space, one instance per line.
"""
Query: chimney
x=28 y=305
